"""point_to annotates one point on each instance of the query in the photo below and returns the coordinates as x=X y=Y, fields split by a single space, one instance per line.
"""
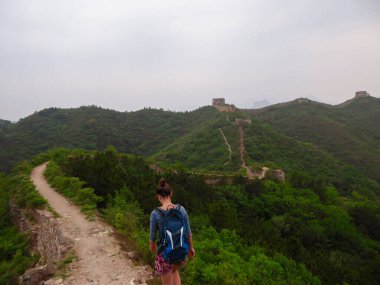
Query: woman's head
x=163 y=189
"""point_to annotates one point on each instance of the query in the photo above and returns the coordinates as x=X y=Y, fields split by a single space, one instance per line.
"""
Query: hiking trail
x=99 y=257
x=227 y=144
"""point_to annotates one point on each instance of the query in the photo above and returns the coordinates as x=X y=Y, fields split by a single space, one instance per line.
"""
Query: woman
x=168 y=272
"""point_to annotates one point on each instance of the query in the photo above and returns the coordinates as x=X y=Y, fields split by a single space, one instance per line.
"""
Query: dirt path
x=228 y=145
x=100 y=259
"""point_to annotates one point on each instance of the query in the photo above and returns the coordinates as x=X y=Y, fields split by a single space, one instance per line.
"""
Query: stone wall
x=275 y=174
x=243 y=122
x=226 y=108
x=46 y=240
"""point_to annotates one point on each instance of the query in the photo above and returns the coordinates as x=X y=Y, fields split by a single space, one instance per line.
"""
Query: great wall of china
x=221 y=106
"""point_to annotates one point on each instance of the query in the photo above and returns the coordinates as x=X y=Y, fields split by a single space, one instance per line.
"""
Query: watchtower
x=218 y=102
x=360 y=94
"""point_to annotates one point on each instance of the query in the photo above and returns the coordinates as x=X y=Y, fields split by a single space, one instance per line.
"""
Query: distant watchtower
x=360 y=94
x=218 y=102
x=221 y=106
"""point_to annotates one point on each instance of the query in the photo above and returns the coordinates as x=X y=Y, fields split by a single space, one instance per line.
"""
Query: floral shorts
x=163 y=267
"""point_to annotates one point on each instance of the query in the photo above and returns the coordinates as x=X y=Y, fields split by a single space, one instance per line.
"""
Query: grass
x=63 y=265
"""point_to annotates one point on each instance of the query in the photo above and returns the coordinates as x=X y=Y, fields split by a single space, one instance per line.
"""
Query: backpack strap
x=160 y=211
x=160 y=240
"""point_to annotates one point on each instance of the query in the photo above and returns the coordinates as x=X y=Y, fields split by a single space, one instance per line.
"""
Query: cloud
x=180 y=54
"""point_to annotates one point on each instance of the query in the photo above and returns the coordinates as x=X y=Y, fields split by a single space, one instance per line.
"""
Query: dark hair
x=163 y=188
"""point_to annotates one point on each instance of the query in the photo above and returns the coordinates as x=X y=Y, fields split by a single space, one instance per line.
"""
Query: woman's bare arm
x=152 y=246
x=191 y=253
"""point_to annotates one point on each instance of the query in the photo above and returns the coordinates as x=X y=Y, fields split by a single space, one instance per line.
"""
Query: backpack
x=173 y=238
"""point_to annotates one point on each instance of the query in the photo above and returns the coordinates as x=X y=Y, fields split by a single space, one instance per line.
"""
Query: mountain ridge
x=305 y=100
x=349 y=133
x=2 y=120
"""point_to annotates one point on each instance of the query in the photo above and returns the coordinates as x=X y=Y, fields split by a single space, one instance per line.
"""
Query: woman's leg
x=167 y=278
x=176 y=279
x=171 y=278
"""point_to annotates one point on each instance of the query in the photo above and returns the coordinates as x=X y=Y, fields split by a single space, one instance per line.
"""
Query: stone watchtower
x=360 y=94
x=218 y=102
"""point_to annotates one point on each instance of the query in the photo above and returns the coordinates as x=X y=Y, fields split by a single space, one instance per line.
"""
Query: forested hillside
x=300 y=159
x=142 y=132
x=350 y=131
x=337 y=144
x=204 y=151
x=261 y=231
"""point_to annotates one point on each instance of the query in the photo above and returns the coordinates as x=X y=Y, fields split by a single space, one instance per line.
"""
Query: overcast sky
x=178 y=55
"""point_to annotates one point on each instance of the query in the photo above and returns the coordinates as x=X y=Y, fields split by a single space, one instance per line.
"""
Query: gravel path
x=100 y=259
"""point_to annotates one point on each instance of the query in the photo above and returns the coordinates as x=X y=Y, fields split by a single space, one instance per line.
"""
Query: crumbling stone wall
x=242 y=122
x=275 y=174
x=226 y=108
x=46 y=240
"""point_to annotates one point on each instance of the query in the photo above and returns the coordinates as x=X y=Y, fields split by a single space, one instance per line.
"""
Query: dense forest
x=248 y=232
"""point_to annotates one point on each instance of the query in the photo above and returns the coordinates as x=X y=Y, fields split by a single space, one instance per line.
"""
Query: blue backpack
x=173 y=238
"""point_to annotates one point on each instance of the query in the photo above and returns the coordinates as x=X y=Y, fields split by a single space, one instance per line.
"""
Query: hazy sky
x=178 y=55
